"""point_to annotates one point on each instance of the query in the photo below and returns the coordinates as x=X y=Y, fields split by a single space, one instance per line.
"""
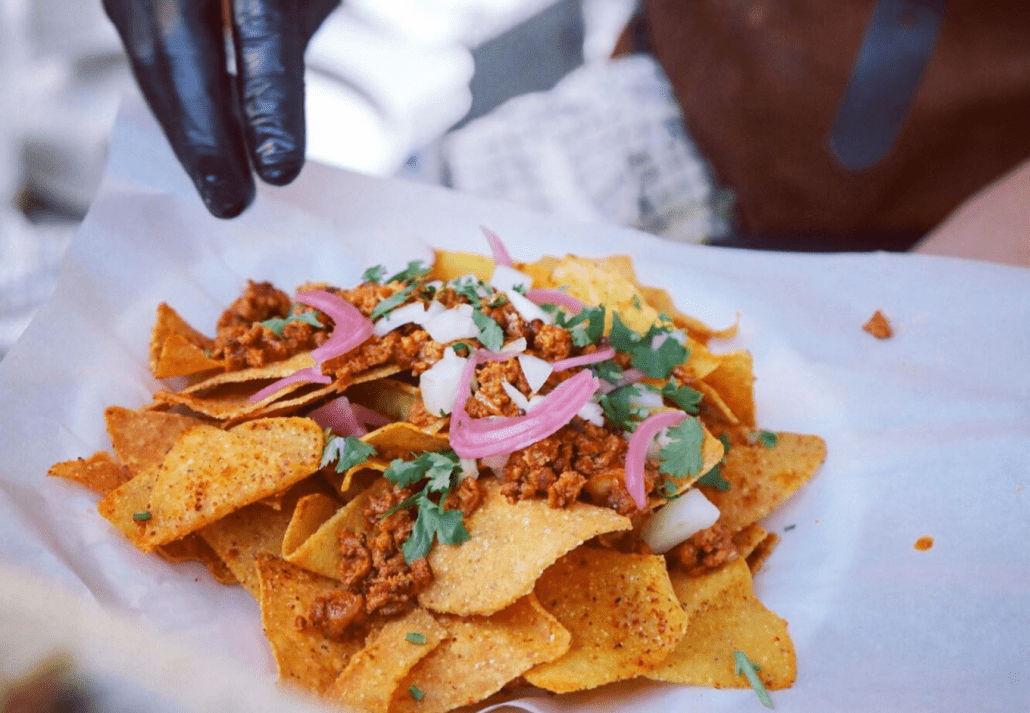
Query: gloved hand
x=219 y=125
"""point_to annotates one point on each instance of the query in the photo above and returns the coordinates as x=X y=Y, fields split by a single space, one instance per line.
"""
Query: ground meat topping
x=703 y=551
x=335 y=612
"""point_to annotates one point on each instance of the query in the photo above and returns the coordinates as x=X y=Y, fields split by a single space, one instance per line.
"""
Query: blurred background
x=511 y=99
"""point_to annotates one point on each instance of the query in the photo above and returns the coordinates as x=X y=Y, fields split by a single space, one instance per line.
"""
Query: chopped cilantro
x=681 y=457
x=428 y=291
x=415 y=637
x=669 y=489
x=724 y=438
x=622 y=337
x=374 y=274
x=586 y=327
x=278 y=324
x=521 y=289
x=440 y=471
x=416 y=692
x=498 y=300
x=471 y=289
x=767 y=439
x=459 y=346
x=392 y=302
x=414 y=271
x=636 y=302
x=685 y=397
x=750 y=669
x=490 y=333
x=141 y=515
x=607 y=370
x=714 y=479
x=659 y=363
x=618 y=409
x=346 y=451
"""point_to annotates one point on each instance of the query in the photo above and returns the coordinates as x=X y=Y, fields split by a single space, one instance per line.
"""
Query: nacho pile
x=460 y=478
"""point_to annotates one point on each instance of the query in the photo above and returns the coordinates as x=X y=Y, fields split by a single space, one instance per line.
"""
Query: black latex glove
x=220 y=126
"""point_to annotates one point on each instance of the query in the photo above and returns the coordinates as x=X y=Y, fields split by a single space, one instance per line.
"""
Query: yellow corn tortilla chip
x=761 y=478
x=194 y=549
x=209 y=473
x=304 y=657
x=761 y=552
x=509 y=546
x=622 y=613
x=725 y=616
x=748 y=539
x=320 y=551
x=662 y=302
x=403 y=440
x=480 y=656
x=448 y=265
x=734 y=381
x=373 y=674
x=142 y=438
x=389 y=397
x=99 y=473
x=187 y=350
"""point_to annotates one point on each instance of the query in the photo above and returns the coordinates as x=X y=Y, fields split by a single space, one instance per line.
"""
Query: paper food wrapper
x=928 y=432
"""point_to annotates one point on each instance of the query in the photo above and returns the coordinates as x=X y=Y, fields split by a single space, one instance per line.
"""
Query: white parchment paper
x=928 y=432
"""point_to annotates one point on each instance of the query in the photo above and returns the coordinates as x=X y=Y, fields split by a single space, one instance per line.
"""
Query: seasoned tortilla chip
x=448 y=265
x=373 y=674
x=510 y=545
x=389 y=397
x=621 y=611
x=176 y=348
x=303 y=656
x=748 y=539
x=403 y=440
x=194 y=549
x=142 y=438
x=662 y=301
x=209 y=473
x=99 y=473
x=725 y=616
x=480 y=656
x=734 y=381
x=761 y=552
x=761 y=478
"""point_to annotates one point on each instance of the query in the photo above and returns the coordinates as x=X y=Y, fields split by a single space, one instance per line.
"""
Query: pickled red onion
x=500 y=253
x=310 y=374
x=350 y=329
x=584 y=359
x=636 y=451
x=543 y=296
x=479 y=438
x=346 y=418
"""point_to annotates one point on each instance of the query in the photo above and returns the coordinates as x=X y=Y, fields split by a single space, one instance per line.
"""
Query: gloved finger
x=177 y=52
x=270 y=69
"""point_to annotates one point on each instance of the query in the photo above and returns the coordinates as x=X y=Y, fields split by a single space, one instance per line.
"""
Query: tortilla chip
x=388 y=397
x=303 y=656
x=449 y=265
x=373 y=674
x=403 y=440
x=725 y=616
x=734 y=380
x=127 y=506
x=761 y=552
x=662 y=301
x=622 y=613
x=209 y=473
x=193 y=549
x=176 y=348
x=748 y=539
x=99 y=473
x=509 y=547
x=480 y=656
x=761 y=478
x=142 y=438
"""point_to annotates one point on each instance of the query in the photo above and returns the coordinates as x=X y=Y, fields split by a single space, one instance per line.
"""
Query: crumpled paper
x=928 y=432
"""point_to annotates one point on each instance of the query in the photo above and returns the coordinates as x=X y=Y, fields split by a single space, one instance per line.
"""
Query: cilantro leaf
x=636 y=302
x=585 y=327
x=403 y=473
x=750 y=669
x=490 y=333
x=714 y=479
x=415 y=637
x=347 y=452
x=669 y=489
x=374 y=274
x=416 y=692
x=607 y=370
x=412 y=272
x=768 y=439
x=724 y=438
x=278 y=324
x=618 y=409
x=659 y=363
x=622 y=337
x=446 y=525
x=681 y=457
x=392 y=302
x=685 y=397
x=441 y=467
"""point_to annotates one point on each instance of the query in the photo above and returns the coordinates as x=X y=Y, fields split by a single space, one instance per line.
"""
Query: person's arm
x=993 y=225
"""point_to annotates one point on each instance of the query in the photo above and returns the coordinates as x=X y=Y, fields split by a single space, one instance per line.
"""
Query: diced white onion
x=654 y=448
x=515 y=346
x=451 y=324
x=536 y=371
x=592 y=412
x=517 y=397
x=528 y=310
x=469 y=469
x=414 y=313
x=643 y=396
x=505 y=278
x=439 y=383
x=680 y=519
x=496 y=463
